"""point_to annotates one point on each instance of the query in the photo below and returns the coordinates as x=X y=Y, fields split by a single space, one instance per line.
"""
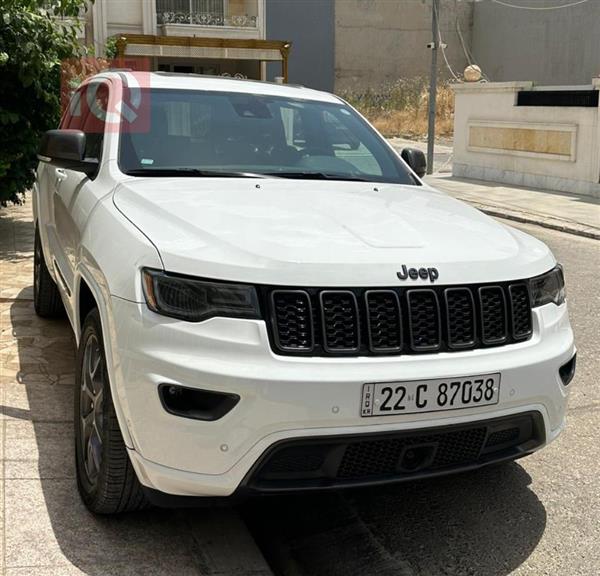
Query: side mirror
x=416 y=160
x=66 y=149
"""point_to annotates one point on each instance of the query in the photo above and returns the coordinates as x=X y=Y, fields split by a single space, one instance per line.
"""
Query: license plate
x=387 y=398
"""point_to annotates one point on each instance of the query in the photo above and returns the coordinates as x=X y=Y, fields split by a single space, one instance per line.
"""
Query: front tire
x=106 y=479
x=46 y=297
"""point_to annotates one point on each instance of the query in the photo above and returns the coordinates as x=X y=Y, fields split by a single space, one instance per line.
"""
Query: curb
x=537 y=219
x=436 y=181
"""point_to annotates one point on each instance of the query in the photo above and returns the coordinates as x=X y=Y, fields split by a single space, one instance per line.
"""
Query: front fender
x=102 y=298
x=110 y=256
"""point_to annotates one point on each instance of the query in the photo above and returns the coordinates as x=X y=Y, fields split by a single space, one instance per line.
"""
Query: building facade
x=337 y=44
x=221 y=37
x=342 y=45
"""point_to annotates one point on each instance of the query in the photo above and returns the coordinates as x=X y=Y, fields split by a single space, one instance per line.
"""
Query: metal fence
x=201 y=13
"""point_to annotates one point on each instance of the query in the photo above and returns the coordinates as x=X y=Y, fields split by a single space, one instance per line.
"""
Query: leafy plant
x=35 y=37
x=110 y=48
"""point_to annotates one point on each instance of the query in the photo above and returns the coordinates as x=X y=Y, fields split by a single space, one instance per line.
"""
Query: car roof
x=183 y=81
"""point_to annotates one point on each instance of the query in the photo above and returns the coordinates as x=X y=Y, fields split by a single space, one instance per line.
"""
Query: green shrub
x=35 y=36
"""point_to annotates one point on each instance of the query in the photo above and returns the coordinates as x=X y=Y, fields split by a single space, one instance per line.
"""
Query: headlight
x=197 y=300
x=549 y=287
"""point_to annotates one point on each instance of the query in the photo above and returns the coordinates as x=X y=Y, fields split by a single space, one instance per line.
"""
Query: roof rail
x=214 y=77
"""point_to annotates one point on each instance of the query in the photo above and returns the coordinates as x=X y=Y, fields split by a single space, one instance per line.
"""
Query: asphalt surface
x=538 y=516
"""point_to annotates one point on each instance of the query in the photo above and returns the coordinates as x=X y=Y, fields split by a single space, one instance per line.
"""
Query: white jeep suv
x=266 y=298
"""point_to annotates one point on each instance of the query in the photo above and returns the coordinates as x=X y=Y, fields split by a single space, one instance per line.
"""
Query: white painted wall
x=494 y=104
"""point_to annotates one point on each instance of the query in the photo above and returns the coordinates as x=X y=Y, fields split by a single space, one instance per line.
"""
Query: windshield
x=206 y=133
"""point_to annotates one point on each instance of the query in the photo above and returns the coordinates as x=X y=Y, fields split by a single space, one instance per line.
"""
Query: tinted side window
x=95 y=120
x=73 y=115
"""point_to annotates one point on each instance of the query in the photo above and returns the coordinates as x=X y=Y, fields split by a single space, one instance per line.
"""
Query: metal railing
x=201 y=13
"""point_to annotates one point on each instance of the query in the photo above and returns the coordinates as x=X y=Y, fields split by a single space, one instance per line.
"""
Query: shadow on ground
x=47 y=525
x=486 y=522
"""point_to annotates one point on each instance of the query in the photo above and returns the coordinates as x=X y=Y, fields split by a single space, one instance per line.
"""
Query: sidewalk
x=570 y=213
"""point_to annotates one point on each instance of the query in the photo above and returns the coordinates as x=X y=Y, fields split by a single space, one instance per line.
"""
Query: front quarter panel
x=113 y=251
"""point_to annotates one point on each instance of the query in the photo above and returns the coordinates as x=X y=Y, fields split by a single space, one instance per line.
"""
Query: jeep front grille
x=394 y=321
x=341 y=329
x=424 y=320
x=460 y=317
x=384 y=320
x=292 y=313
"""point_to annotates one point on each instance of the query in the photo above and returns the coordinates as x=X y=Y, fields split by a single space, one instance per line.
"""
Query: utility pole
x=435 y=8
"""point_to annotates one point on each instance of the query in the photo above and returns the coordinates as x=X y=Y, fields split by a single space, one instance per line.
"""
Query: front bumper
x=358 y=460
x=286 y=398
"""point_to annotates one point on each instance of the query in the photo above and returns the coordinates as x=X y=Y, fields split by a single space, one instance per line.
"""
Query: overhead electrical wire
x=468 y=54
x=441 y=45
x=560 y=7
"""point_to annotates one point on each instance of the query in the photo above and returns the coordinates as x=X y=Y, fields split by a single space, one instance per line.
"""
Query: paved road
x=540 y=516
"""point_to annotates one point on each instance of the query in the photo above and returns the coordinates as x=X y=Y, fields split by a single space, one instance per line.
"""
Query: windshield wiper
x=194 y=172
x=317 y=176
x=200 y=172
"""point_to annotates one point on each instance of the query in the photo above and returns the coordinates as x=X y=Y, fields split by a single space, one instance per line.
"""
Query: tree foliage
x=35 y=37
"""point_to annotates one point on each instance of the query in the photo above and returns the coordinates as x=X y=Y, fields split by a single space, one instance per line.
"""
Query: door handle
x=59 y=176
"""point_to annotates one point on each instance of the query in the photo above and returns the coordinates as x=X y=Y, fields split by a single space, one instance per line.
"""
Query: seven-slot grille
x=358 y=321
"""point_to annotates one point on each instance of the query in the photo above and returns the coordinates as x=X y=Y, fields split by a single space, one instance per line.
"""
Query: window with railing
x=236 y=13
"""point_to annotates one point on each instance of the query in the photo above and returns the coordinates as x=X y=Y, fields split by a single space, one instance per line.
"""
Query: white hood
x=323 y=233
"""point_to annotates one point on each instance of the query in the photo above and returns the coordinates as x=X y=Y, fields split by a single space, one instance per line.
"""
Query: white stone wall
x=555 y=148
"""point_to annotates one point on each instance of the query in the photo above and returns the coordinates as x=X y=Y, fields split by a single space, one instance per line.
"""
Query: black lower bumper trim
x=337 y=462
x=334 y=462
x=567 y=371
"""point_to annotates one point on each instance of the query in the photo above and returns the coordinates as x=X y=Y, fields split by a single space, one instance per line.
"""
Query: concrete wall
x=309 y=25
x=380 y=41
x=124 y=16
x=554 y=148
x=555 y=47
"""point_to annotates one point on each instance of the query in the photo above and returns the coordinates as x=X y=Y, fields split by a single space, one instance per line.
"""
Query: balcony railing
x=206 y=13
